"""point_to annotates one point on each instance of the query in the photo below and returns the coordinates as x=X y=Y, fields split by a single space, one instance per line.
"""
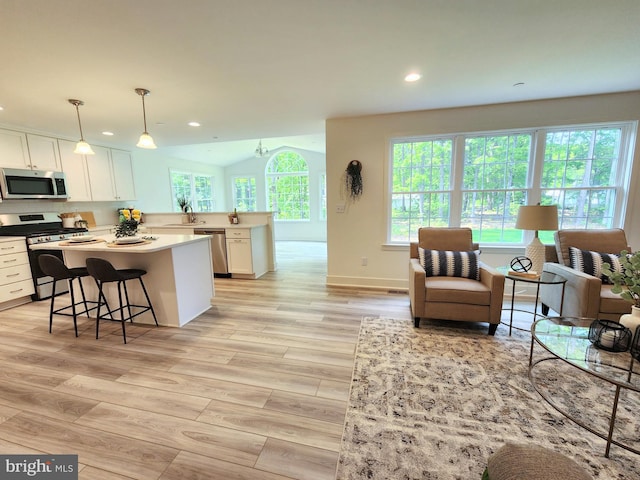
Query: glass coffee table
x=566 y=339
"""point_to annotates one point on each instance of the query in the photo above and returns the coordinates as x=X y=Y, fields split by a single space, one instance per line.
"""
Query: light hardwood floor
x=254 y=389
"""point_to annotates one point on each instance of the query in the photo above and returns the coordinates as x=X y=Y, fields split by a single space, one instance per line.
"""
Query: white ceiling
x=251 y=69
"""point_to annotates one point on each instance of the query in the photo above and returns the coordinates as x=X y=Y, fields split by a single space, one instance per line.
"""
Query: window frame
x=255 y=185
x=621 y=177
x=192 y=196
x=298 y=173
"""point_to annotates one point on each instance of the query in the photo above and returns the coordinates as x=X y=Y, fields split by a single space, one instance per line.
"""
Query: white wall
x=360 y=231
x=313 y=230
x=153 y=184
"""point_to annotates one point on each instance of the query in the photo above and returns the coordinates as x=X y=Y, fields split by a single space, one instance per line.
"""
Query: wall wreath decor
x=354 y=179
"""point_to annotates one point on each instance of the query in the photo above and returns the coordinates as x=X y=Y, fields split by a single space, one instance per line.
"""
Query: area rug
x=433 y=403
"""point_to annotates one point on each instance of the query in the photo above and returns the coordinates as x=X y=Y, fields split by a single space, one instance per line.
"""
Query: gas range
x=39 y=228
x=55 y=236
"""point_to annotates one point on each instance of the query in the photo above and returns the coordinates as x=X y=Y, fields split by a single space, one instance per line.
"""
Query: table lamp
x=537 y=217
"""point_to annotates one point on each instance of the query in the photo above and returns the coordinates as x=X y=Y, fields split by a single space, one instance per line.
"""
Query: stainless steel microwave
x=17 y=183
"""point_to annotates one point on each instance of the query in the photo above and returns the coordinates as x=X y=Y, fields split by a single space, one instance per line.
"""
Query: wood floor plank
x=295 y=341
x=334 y=389
x=233 y=392
x=92 y=473
x=297 y=367
x=113 y=453
x=180 y=405
x=325 y=409
x=33 y=374
x=298 y=461
x=44 y=402
x=69 y=364
x=197 y=437
x=189 y=466
x=285 y=426
x=320 y=356
x=256 y=378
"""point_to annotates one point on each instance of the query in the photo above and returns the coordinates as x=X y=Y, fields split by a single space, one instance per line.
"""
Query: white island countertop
x=106 y=243
x=179 y=271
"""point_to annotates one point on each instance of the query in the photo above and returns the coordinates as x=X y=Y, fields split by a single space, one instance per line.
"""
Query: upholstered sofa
x=450 y=297
x=584 y=295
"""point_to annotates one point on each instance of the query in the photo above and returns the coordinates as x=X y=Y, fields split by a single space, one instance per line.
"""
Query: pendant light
x=145 y=139
x=82 y=147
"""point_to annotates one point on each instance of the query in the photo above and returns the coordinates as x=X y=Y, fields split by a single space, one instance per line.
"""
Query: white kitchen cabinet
x=14 y=152
x=16 y=283
x=110 y=179
x=100 y=175
x=43 y=153
x=246 y=251
x=123 y=175
x=25 y=150
x=105 y=176
x=75 y=169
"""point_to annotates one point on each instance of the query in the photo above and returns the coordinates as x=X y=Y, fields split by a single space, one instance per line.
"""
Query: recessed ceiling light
x=194 y=124
x=412 y=77
x=108 y=134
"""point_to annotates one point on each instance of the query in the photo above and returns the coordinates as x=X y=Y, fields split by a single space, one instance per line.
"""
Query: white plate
x=83 y=238
x=126 y=240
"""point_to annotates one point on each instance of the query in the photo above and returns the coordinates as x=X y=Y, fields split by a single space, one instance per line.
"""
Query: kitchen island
x=179 y=275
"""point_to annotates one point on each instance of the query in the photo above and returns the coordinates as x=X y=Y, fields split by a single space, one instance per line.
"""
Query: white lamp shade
x=83 y=148
x=146 y=141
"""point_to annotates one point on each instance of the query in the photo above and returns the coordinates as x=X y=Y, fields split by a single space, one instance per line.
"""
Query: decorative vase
x=631 y=320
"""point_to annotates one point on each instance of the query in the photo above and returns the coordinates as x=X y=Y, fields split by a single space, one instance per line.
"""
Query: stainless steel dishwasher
x=218 y=250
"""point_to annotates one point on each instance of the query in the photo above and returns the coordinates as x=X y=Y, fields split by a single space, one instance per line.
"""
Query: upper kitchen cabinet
x=75 y=169
x=14 y=152
x=123 y=175
x=43 y=152
x=110 y=175
x=24 y=150
x=105 y=176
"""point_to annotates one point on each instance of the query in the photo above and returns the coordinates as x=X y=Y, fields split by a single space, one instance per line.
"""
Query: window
x=421 y=191
x=494 y=185
x=323 y=196
x=287 y=178
x=580 y=169
x=197 y=189
x=244 y=194
x=579 y=175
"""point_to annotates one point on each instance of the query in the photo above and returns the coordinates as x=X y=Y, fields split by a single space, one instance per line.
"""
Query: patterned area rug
x=433 y=403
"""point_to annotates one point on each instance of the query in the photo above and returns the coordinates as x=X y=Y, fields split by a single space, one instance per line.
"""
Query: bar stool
x=104 y=272
x=55 y=268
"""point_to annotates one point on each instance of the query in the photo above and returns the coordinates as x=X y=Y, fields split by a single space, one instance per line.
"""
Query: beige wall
x=360 y=231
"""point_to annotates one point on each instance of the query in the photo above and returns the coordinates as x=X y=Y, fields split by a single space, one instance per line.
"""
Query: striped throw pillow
x=591 y=262
x=446 y=263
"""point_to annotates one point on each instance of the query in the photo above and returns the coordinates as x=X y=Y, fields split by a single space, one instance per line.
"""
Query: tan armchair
x=584 y=295
x=453 y=298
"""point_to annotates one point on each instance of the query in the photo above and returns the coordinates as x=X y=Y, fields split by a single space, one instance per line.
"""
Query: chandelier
x=260 y=150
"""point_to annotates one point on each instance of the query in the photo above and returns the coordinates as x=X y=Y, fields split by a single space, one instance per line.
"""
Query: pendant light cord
x=79 y=123
x=144 y=116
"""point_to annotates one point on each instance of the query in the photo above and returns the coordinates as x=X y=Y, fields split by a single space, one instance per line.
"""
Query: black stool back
x=56 y=269
x=104 y=272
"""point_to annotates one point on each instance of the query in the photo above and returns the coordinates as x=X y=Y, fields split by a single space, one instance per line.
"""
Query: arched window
x=287 y=179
